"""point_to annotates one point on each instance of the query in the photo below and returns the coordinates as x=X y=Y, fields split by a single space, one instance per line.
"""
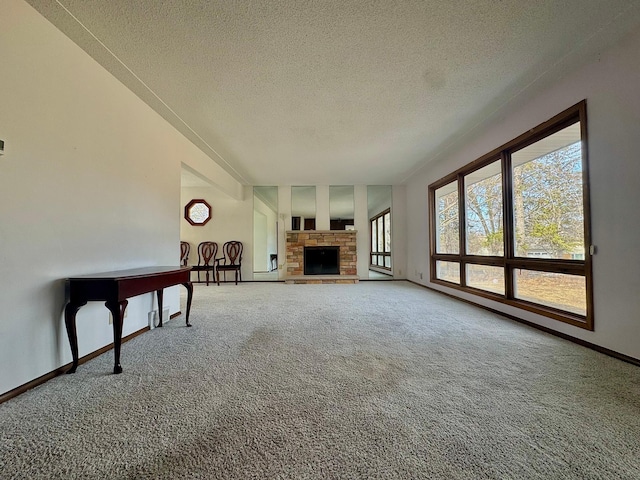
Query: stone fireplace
x=320 y=244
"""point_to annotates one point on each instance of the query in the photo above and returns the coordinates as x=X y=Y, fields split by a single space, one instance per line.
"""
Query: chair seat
x=228 y=267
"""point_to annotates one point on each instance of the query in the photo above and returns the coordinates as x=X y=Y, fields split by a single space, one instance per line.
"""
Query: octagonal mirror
x=197 y=212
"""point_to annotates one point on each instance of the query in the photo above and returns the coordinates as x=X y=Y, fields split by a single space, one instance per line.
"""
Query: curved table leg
x=70 y=321
x=189 y=288
x=117 y=310
x=160 y=296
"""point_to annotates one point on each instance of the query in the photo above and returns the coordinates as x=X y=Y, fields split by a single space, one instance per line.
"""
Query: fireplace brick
x=346 y=240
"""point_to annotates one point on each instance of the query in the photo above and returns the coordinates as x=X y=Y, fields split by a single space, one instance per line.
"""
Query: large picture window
x=514 y=225
x=381 y=240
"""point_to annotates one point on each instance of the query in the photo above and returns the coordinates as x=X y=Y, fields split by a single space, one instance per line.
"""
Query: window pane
x=380 y=235
x=374 y=237
x=486 y=277
x=547 y=197
x=558 y=290
x=387 y=232
x=449 y=271
x=387 y=261
x=483 y=207
x=447 y=221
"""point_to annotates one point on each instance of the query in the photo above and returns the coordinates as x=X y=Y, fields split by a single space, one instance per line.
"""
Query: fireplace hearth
x=303 y=245
x=321 y=260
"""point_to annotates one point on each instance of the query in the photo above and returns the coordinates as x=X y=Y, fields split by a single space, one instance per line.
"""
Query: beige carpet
x=378 y=380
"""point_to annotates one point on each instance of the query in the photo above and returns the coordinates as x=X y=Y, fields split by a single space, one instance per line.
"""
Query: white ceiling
x=337 y=92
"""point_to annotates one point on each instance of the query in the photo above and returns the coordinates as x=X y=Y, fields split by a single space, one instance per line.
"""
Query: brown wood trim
x=188 y=206
x=586 y=212
x=571 y=267
x=431 y=217
x=60 y=370
x=556 y=314
x=462 y=228
x=567 y=116
x=507 y=222
x=579 y=341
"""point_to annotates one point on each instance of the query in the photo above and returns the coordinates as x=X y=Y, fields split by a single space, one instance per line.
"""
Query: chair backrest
x=185 y=248
x=207 y=252
x=232 y=252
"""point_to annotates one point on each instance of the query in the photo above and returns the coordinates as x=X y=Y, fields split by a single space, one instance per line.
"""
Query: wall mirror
x=341 y=207
x=380 y=218
x=197 y=212
x=265 y=233
x=303 y=208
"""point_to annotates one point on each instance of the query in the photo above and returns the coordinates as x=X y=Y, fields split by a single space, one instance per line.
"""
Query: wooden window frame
x=509 y=262
x=373 y=220
x=187 y=212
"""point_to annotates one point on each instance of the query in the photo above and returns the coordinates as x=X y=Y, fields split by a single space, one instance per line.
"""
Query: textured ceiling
x=335 y=92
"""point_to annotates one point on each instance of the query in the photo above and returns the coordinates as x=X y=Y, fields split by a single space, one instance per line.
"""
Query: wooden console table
x=114 y=288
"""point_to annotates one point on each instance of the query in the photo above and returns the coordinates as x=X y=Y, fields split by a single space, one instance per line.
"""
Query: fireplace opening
x=321 y=260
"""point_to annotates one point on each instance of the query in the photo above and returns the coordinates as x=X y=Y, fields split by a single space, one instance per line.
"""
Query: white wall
x=231 y=220
x=610 y=85
x=90 y=182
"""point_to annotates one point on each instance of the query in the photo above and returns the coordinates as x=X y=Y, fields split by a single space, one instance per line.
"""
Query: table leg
x=117 y=310
x=160 y=296
x=70 y=321
x=189 y=288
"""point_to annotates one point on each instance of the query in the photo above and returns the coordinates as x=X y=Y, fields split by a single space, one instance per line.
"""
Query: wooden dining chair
x=207 y=252
x=231 y=261
x=185 y=248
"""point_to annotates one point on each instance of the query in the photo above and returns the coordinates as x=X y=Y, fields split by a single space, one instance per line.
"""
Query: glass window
x=483 y=207
x=524 y=225
x=448 y=271
x=197 y=212
x=387 y=232
x=374 y=236
x=557 y=290
x=381 y=240
x=485 y=277
x=447 y=221
x=547 y=197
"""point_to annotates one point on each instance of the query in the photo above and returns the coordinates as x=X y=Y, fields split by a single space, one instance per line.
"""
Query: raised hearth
x=344 y=240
